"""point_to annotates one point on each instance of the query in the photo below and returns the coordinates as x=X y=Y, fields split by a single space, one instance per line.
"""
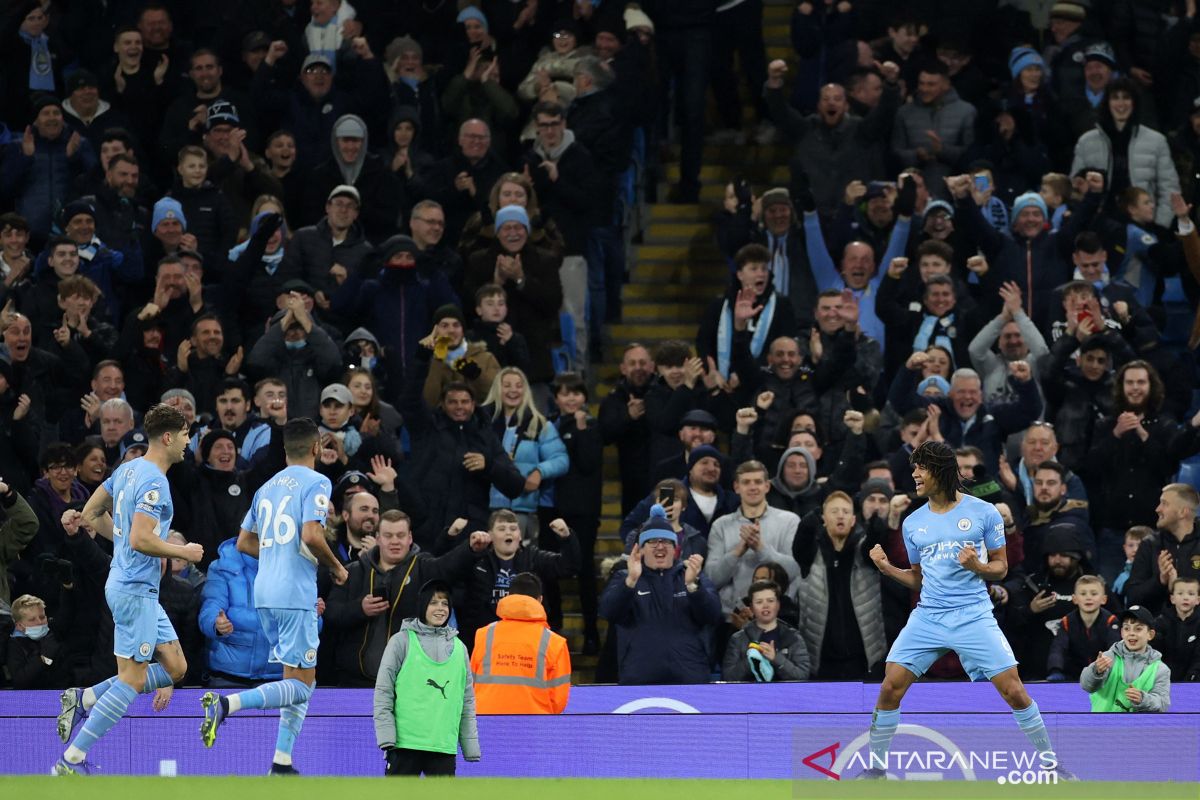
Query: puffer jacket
x=1150 y=164
x=40 y=184
x=951 y=118
x=546 y=453
x=791 y=662
x=244 y=653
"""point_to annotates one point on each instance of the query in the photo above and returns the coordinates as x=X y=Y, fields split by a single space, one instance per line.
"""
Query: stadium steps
x=676 y=270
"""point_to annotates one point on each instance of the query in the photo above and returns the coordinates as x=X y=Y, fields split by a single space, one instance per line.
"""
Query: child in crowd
x=1088 y=629
x=508 y=346
x=1133 y=540
x=1130 y=675
x=1056 y=190
x=1178 y=630
x=766 y=649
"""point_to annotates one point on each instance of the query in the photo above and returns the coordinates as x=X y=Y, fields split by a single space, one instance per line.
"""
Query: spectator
x=36 y=657
x=507 y=557
x=202 y=362
x=1171 y=552
x=352 y=164
x=843 y=625
x=476 y=95
x=623 y=422
x=241 y=175
x=238 y=649
x=185 y=123
x=1129 y=152
x=39 y=167
x=17 y=532
x=299 y=353
x=1090 y=628
x=739 y=542
x=1134 y=454
x=520 y=666
x=532 y=443
x=86 y=112
x=1043 y=597
x=455 y=454
x=465 y=361
x=415 y=100
x=1014 y=337
x=1078 y=395
x=376 y=599
x=206 y=211
x=1133 y=540
x=33 y=58
x=1176 y=630
x=1130 y=675
x=675 y=498
x=326 y=253
x=414 y=741
x=766 y=648
x=461 y=183
x=937 y=128
x=44 y=375
x=434 y=252
x=661 y=608
x=1050 y=508
x=508 y=347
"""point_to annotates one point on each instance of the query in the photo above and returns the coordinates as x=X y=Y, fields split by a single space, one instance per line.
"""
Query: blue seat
x=565 y=356
x=1189 y=472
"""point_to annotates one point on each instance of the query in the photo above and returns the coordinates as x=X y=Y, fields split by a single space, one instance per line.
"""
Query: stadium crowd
x=410 y=222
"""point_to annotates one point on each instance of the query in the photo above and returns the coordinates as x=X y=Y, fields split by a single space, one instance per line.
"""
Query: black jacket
x=438 y=447
x=209 y=218
x=632 y=438
x=381 y=192
x=1144 y=586
x=1075 y=645
x=571 y=200
x=578 y=492
x=437 y=183
x=1179 y=642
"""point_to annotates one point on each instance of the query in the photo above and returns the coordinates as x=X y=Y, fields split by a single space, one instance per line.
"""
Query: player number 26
x=275 y=528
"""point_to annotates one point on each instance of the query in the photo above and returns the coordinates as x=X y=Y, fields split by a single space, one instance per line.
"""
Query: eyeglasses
x=563 y=35
x=60 y=468
x=1040 y=424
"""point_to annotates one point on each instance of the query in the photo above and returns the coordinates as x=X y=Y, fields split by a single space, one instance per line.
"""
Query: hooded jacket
x=1179 y=641
x=520 y=666
x=382 y=194
x=361 y=640
x=1075 y=645
x=438 y=644
x=662 y=634
x=798 y=501
x=246 y=651
x=1150 y=164
x=1157 y=699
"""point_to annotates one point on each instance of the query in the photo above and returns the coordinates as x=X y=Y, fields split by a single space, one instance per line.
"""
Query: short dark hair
x=204 y=51
x=124 y=29
x=571 y=382
x=763 y=586
x=298 y=437
x=232 y=383
x=526 y=584
x=939 y=280
x=395 y=515
x=205 y=317
x=489 y=290
x=14 y=221
x=751 y=254
x=676 y=486
x=935 y=66
x=57 y=453
x=54 y=242
x=105 y=364
x=933 y=247
x=672 y=353
x=1088 y=242
x=457 y=386
x=120 y=134
x=123 y=158
x=549 y=109
x=1054 y=467
x=162 y=418
x=502 y=515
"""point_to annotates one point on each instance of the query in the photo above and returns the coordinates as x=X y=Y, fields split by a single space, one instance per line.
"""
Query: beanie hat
x=449 y=311
x=1029 y=199
x=939 y=205
x=43 y=99
x=609 y=19
x=657 y=527
x=512 y=214
x=167 y=208
x=703 y=451
x=636 y=18
x=398 y=244
x=1022 y=57
x=171 y=394
x=775 y=197
x=425 y=597
x=211 y=438
x=934 y=380
x=875 y=486
x=1071 y=11
x=471 y=12
x=81 y=78
x=74 y=209
x=401 y=45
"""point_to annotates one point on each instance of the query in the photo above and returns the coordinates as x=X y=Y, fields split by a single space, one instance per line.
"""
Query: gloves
x=906 y=200
x=270 y=223
x=802 y=194
x=468 y=369
x=392 y=758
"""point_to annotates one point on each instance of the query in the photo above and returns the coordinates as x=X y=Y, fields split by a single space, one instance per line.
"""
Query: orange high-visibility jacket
x=520 y=665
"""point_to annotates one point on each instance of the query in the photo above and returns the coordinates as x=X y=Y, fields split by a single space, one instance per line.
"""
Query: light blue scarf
x=925 y=336
x=779 y=262
x=41 y=72
x=454 y=355
x=761 y=327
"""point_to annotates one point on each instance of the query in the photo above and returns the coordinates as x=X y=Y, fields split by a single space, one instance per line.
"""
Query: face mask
x=36 y=632
x=299 y=344
x=369 y=362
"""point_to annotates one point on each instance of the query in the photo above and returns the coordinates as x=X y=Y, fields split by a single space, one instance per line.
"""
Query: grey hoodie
x=362 y=335
x=349 y=170
x=438 y=644
x=810 y=488
x=1157 y=699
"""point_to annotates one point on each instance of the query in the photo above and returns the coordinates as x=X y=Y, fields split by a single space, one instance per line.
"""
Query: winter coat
x=305 y=372
x=571 y=200
x=209 y=218
x=245 y=652
x=361 y=640
x=1150 y=164
x=438 y=445
x=1075 y=645
x=40 y=185
x=1073 y=403
x=791 y=654
x=632 y=438
x=1145 y=586
x=546 y=453
x=578 y=491
x=727 y=503
x=992 y=367
x=1157 y=699
x=736 y=230
x=438 y=644
x=311 y=252
x=18 y=530
x=441 y=374
x=951 y=118
x=382 y=198
x=1127 y=474
x=1179 y=642
x=783 y=323
x=661 y=626
x=732 y=575
x=437 y=183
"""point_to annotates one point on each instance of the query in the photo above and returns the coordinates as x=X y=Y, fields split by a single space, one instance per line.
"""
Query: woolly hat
x=471 y=12
x=425 y=597
x=934 y=380
x=167 y=208
x=211 y=438
x=398 y=244
x=43 y=99
x=1022 y=57
x=636 y=18
x=350 y=126
x=1029 y=199
x=657 y=527
x=775 y=197
x=171 y=394
x=512 y=214
x=703 y=451
x=81 y=78
x=74 y=209
x=875 y=486
x=401 y=45
x=449 y=311
x=939 y=205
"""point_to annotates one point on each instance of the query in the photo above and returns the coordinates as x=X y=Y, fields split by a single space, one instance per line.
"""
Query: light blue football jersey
x=137 y=487
x=935 y=540
x=287 y=570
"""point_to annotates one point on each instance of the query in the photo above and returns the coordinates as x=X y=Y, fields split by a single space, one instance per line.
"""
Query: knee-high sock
x=291 y=720
x=156 y=678
x=1031 y=724
x=106 y=713
x=883 y=728
x=280 y=694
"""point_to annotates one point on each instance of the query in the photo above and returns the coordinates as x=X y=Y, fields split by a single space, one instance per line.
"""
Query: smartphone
x=982 y=183
x=666 y=497
x=381 y=592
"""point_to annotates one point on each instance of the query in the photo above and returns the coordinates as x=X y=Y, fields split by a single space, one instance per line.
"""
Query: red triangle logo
x=830 y=751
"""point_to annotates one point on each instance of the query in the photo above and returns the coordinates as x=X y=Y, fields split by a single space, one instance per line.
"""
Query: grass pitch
x=122 y=788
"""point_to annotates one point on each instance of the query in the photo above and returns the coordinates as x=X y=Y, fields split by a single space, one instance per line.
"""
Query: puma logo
x=433 y=683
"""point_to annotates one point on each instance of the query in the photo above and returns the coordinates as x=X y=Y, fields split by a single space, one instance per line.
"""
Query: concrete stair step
x=679 y=212
x=700 y=250
x=707 y=272
x=689 y=292
x=724 y=173
x=674 y=232
x=652 y=331
x=649 y=312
